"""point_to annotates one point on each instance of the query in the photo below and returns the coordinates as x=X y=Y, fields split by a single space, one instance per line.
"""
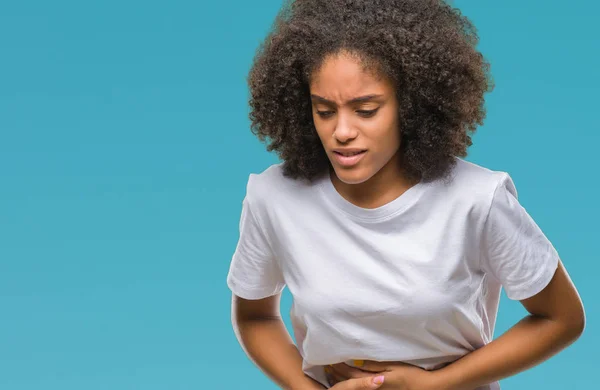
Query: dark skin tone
x=354 y=108
x=263 y=335
x=556 y=319
x=556 y=314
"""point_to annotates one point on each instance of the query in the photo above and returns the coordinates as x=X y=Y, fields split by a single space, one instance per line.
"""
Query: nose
x=344 y=131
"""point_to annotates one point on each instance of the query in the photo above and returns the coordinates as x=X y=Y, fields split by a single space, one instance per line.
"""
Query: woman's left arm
x=557 y=319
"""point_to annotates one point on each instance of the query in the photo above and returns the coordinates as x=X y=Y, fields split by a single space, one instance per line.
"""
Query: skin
x=262 y=333
x=375 y=181
x=556 y=319
x=556 y=315
x=370 y=124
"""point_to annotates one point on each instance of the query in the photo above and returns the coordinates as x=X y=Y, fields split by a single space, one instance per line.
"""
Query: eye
x=325 y=114
x=363 y=113
x=367 y=113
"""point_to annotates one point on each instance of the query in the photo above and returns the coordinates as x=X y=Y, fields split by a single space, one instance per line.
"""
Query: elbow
x=580 y=323
x=573 y=331
x=578 y=327
x=575 y=325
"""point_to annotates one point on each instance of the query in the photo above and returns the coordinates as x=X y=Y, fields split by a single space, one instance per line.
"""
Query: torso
x=400 y=282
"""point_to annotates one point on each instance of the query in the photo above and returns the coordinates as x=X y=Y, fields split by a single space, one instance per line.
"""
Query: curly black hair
x=426 y=47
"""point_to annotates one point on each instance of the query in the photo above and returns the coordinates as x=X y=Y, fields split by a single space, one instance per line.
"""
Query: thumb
x=366 y=383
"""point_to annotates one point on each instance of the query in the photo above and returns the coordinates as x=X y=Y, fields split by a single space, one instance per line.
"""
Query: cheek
x=319 y=128
x=322 y=133
x=323 y=128
x=385 y=133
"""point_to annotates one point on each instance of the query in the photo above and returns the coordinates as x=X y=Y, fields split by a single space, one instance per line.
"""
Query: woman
x=393 y=247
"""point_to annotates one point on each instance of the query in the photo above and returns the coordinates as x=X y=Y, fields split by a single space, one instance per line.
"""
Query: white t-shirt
x=416 y=280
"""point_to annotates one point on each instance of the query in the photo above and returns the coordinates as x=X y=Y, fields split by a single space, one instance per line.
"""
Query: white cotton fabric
x=417 y=280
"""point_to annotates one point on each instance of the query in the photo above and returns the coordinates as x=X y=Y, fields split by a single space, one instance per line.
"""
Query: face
x=355 y=111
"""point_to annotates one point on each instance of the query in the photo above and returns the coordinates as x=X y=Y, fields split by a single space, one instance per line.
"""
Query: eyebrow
x=359 y=99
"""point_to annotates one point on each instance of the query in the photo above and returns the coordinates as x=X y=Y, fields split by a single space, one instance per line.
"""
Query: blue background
x=124 y=154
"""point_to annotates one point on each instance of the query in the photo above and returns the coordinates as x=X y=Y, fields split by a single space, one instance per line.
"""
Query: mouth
x=349 y=159
x=349 y=154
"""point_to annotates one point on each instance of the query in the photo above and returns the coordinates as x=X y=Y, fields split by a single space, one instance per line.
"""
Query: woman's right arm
x=265 y=339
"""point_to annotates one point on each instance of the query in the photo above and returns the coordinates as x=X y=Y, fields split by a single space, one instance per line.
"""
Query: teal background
x=124 y=154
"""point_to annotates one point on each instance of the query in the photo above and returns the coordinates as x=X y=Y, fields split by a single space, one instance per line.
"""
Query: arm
x=263 y=336
x=557 y=319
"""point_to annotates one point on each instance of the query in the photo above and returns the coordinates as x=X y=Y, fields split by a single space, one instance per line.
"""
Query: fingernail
x=378 y=379
x=359 y=363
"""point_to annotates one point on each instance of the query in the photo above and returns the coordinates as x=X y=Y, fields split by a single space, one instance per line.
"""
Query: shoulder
x=271 y=185
x=478 y=184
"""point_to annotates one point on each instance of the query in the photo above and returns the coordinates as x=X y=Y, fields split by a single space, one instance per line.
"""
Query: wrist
x=439 y=380
x=307 y=384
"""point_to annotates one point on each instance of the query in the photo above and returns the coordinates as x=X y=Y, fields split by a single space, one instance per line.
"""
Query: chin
x=352 y=176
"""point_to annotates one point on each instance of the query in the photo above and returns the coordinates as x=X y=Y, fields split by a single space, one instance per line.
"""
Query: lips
x=349 y=154
x=349 y=159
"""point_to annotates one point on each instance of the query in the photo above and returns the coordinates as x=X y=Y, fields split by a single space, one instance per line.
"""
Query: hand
x=370 y=382
x=398 y=375
x=367 y=382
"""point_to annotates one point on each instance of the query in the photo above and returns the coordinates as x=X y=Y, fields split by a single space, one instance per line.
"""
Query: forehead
x=344 y=76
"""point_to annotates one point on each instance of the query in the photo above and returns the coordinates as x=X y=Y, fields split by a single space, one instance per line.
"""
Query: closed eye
x=325 y=114
x=364 y=113
x=367 y=113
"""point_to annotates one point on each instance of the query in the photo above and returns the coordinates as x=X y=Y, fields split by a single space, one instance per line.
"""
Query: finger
x=348 y=372
x=367 y=383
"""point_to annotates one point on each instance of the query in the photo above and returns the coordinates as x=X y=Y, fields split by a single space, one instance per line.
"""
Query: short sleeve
x=254 y=272
x=514 y=249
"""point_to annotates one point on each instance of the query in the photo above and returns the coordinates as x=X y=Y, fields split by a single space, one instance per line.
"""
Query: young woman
x=393 y=247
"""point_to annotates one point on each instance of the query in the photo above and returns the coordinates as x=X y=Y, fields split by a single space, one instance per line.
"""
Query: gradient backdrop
x=124 y=154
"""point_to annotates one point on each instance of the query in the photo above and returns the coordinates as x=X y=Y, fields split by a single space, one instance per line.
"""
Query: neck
x=387 y=184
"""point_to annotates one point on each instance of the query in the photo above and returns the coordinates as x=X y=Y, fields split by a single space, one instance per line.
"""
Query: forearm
x=528 y=343
x=269 y=345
